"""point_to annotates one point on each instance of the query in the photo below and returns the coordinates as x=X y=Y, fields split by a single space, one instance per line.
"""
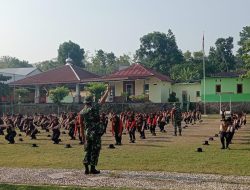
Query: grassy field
x=29 y=187
x=163 y=152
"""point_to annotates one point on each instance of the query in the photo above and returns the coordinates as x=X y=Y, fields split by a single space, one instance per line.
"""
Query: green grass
x=29 y=187
x=161 y=153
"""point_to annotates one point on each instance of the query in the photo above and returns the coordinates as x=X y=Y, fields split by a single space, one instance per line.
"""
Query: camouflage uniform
x=177 y=119
x=93 y=132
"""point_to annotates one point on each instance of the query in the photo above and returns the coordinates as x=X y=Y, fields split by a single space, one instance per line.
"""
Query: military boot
x=86 y=169
x=93 y=170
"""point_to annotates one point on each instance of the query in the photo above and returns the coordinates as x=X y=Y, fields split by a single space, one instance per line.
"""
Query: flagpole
x=204 y=76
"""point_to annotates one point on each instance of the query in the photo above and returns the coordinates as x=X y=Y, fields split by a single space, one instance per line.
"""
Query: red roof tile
x=61 y=75
x=136 y=71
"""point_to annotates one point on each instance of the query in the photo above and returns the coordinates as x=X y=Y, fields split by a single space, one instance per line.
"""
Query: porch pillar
x=37 y=94
x=77 y=96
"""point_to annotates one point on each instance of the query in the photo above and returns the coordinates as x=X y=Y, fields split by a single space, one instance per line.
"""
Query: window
x=129 y=89
x=239 y=88
x=218 y=88
x=184 y=96
x=198 y=94
x=146 y=88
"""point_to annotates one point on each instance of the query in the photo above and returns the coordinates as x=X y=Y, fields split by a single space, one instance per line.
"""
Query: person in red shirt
x=152 y=121
x=131 y=127
x=117 y=128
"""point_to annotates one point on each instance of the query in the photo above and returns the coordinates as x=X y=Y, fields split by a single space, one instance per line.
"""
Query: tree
x=96 y=89
x=72 y=50
x=13 y=62
x=105 y=63
x=221 y=57
x=244 y=36
x=47 y=65
x=58 y=94
x=21 y=93
x=246 y=57
x=4 y=88
x=124 y=60
x=184 y=73
x=159 y=51
x=242 y=56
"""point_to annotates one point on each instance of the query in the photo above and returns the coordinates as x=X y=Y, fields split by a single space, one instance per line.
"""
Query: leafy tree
x=73 y=51
x=99 y=62
x=21 y=93
x=242 y=56
x=4 y=88
x=244 y=36
x=47 y=65
x=124 y=60
x=96 y=89
x=221 y=57
x=184 y=73
x=13 y=62
x=103 y=63
x=58 y=94
x=246 y=57
x=159 y=51
x=188 y=57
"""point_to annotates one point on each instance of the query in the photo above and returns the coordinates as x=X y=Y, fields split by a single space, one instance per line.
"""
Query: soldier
x=176 y=119
x=92 y=132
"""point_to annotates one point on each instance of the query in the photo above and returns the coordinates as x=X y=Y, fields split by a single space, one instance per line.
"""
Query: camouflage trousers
x=92 y=149
x=177 y=124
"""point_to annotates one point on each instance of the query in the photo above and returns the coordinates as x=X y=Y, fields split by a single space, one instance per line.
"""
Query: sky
x=32 y=30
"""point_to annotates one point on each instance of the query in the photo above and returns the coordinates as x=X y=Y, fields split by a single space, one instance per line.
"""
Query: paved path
x=130 y=179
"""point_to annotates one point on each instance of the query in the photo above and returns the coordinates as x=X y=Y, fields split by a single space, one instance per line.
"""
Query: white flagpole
x=204 y=76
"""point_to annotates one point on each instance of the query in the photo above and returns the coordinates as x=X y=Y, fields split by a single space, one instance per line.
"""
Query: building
x=18 y=73
x=187 y=92
x=138 y=80
x=67 y=75
x=226 y=87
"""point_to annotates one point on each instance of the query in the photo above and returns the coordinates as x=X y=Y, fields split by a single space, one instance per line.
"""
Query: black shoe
x=86 y=169
x=222 y=148
x=94 y=171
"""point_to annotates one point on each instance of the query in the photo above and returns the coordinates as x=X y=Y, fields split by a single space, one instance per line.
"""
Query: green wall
x=228 y=90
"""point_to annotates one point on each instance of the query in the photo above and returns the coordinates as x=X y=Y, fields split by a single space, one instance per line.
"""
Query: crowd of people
x=125 y=122
x=229 y=124
x=89 y=125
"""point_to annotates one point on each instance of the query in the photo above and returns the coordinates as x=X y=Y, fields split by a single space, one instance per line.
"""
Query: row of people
x=229 y=124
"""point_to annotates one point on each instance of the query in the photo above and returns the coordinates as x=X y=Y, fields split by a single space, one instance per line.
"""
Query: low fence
x=30 y=109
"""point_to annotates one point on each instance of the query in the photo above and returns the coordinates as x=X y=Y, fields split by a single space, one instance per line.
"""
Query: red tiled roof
x=136 y=71
x=61 y=75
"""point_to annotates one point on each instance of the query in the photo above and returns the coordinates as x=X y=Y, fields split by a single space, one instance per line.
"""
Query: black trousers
x=132 y=135
x=56 y=135
x=118 y=139
x=10 y=137
x=224 y=136
x=71 y=132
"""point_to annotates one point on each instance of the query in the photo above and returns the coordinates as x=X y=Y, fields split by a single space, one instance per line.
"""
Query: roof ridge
x=74 y=72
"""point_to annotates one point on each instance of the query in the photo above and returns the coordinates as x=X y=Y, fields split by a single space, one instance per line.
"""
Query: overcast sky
x=32 y=30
